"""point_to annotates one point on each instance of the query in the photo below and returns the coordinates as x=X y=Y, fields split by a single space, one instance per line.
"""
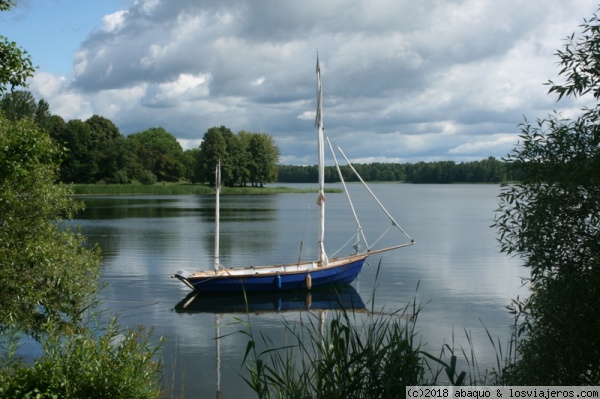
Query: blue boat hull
x=340 y=274
x=341 y=296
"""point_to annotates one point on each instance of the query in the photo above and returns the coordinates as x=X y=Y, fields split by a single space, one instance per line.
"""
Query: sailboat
x=300 y=275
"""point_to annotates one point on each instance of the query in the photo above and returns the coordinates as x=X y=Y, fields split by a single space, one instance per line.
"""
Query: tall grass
x=140 y=189
x=180 y=189
x=359 y=354
x=339 y=360
x=353 y=355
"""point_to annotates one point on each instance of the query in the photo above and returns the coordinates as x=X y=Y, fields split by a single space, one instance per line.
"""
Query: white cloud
x=188 y=144
x=147 y=6
x=307 y=115
x=186 y=87
x=48 y=85
x=401 y=79
x=258 y=81
x=480 y=147
x=114 y=21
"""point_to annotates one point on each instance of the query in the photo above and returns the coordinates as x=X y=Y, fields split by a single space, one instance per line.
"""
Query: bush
x=86 y=363
x=46 y=269
x=560 y=343
x=550 y=219
x=147 y=178
x=120 y=177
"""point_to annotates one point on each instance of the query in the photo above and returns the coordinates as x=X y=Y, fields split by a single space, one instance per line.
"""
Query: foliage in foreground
x=354 y=355
x=83 y=363
x=48 y=276
x=49 y=281
x=16 y=66
x=552 y=221
x=45 y=269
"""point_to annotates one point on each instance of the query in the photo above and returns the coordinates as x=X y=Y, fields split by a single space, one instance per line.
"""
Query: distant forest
x=94 y=151
x=490 y=170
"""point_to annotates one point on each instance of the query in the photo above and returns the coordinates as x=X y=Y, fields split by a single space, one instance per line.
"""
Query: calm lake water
x=464 y=283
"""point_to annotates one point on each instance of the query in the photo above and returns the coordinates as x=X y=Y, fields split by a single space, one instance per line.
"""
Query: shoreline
x=82 y=190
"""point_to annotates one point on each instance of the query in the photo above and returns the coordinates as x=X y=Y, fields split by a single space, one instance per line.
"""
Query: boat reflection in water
x=326 y=298
x=318 y=300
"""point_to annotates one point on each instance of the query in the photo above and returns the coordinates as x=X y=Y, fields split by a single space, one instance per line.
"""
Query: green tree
x=298 y=174
x=15 y=64
x=109 y=148
x=244 y=158
x=80 y=164
x=191 y=160
x=212 y=150
x=49 y=278
x=551 y=219
x=231 y=163
x=159 y=152
x=103 y=129
x=264 y=154
x=44 y=268
x=42 y=113
x=18 y=105
x=55 y=125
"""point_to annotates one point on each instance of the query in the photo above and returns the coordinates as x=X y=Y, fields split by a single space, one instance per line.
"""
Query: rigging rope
x=337 y=166
x=370 y=192
x=360 y=233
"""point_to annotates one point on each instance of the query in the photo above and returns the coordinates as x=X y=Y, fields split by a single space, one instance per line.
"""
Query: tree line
x=95 y=151
x=490 y=170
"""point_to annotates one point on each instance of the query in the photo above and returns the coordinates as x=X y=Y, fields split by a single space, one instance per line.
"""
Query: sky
x=403 y=80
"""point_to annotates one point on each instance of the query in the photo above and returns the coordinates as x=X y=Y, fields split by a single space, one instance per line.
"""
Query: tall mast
x=321 y=154
x=217 y=213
